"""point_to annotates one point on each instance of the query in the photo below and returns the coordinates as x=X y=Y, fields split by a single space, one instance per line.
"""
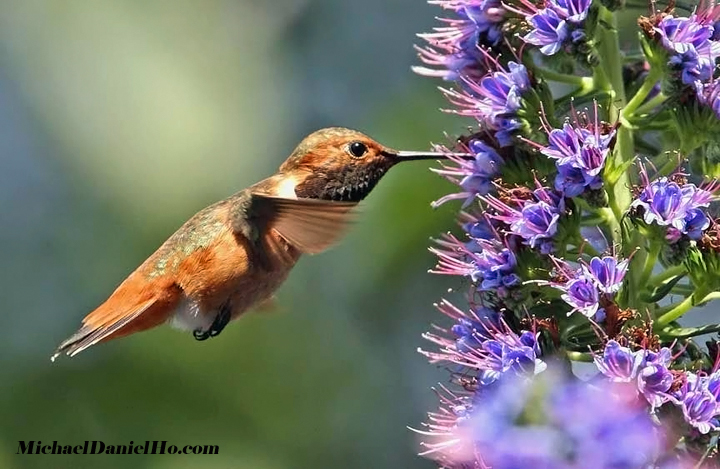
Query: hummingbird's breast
x=234 y=277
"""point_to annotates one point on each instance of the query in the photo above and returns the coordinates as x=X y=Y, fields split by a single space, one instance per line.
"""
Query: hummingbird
x=233 y=255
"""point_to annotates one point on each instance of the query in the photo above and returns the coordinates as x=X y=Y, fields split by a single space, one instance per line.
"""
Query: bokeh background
x=118 y=121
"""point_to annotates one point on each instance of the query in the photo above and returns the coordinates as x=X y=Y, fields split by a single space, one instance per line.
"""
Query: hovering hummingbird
x=234 y=254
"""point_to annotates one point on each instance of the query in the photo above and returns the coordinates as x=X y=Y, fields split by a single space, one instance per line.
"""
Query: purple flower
x=699 y=405
x=607 y=273
x=584 y=287
x=489 y=263
x=479 y=229
x=495 y=100
x=535 y=222
x=473 y=176
x=549 y=31
x=580 y=152
x=573 y=181
x=695 y=223
x=645 y=367
x=693 y=51
x=713 y=384
x=654 y=381
x=582 y=294
x=503 y=90
x=557 y=25
x=667 y=203
x=708 y=94
x=620 y=364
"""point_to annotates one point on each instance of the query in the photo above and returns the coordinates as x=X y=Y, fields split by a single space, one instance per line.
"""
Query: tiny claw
x=221 y=320
x=201 y=335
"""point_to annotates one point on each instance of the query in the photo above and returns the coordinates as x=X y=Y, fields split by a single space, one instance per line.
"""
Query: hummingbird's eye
x=357 y=149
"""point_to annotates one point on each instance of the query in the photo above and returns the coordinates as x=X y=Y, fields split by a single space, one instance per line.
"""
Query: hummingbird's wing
x=310 y=225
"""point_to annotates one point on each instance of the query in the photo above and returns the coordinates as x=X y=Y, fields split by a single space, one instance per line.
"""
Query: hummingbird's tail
x=110 y=321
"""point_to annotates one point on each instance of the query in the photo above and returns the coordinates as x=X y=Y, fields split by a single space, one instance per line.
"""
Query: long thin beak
x=423 y=155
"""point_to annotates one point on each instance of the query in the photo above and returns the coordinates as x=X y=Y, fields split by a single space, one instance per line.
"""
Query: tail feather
x=89 y=335
x=119 y=316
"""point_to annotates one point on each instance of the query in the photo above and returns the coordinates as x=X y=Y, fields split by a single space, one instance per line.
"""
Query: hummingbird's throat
x=345 y=185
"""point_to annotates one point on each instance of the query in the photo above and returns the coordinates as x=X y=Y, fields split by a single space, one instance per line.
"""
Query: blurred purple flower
x=573 y=426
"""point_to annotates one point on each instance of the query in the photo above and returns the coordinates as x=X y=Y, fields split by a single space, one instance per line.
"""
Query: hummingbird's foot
x=221 y=320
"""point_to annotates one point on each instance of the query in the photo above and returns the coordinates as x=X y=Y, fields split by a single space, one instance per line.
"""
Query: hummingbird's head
x=343 y=164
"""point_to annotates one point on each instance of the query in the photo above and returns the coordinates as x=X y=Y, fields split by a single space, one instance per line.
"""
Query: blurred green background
x=118 y=121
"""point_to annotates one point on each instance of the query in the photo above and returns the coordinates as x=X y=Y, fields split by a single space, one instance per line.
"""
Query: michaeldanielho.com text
x=99 y=447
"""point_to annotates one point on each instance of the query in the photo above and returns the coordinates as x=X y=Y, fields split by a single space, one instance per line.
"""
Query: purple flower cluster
x=495 y=100
x=698 y=396
x=559 y=24
x=580 y=153
x=454 y=48
x=676 y=206
x=481 y=341
x=473 y=176
x=584 y=288
x=534 y=220
x=574 y=425
x=540 y=192
x=692 y=45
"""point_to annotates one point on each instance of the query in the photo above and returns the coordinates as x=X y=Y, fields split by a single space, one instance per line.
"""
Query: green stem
x=710 y=297
x=650 y=262
x=677 y=310
x=650 y=81
x=687 y=332
x=682 y=290
x=608 y=75
x=652 y=104
x=585 y=83
x=666 y=274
